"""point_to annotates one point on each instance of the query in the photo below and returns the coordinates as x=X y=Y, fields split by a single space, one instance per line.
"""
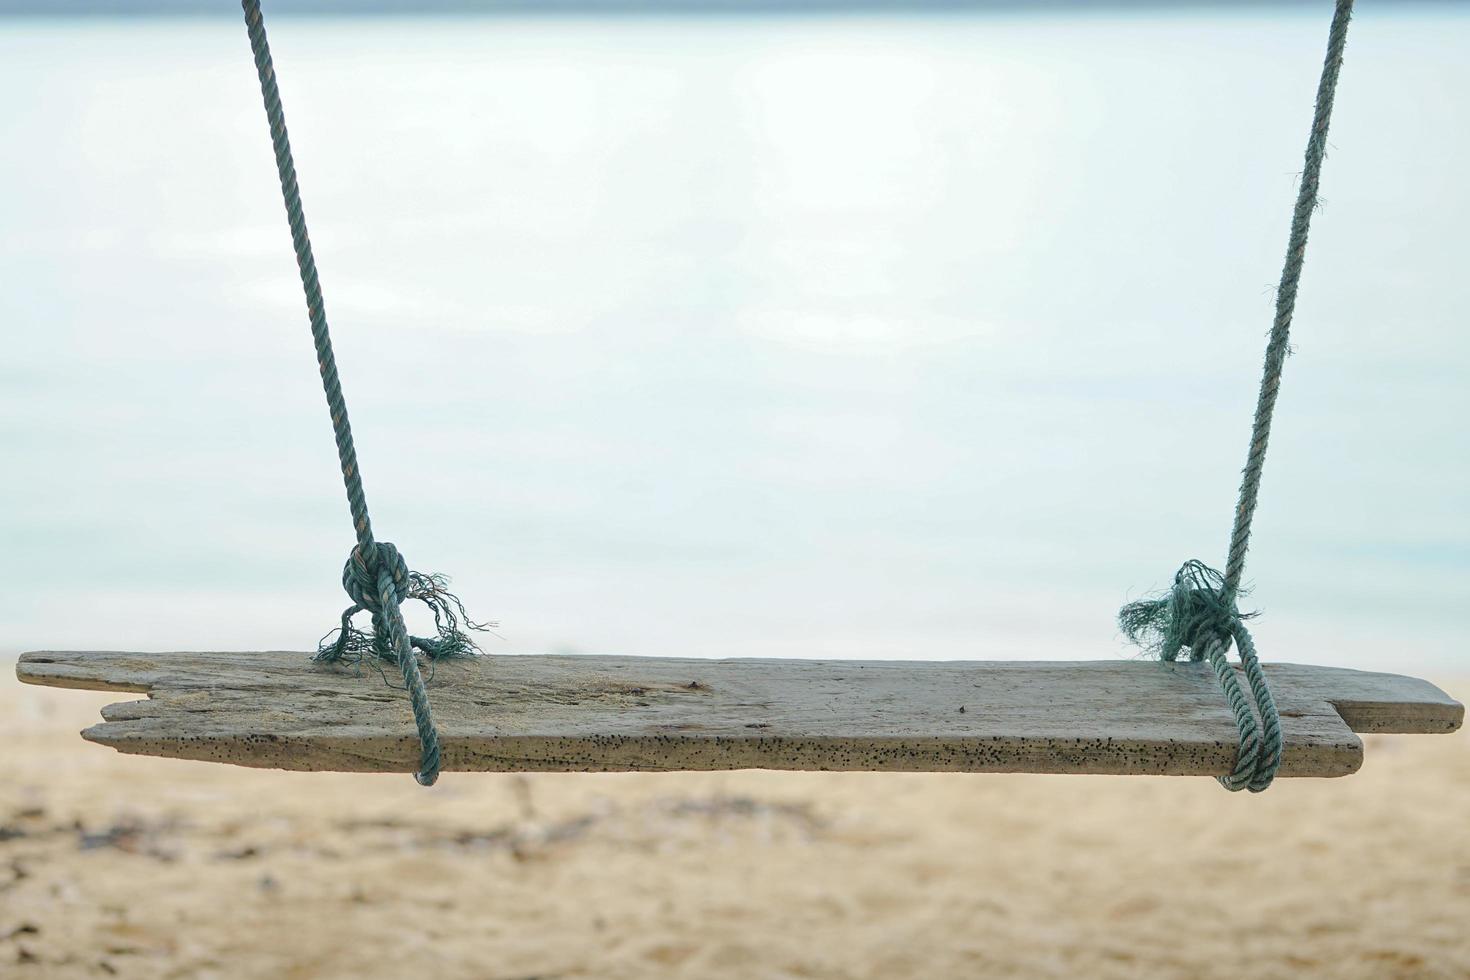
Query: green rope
x=1200 y=612
x=375 y=575
x=1195 y=614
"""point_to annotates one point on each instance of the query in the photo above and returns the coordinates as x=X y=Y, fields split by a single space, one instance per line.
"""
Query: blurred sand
x=119 y=866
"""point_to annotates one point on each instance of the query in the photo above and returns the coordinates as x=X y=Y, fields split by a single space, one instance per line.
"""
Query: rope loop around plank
x=376 y=577
x=1199 y=612
x=1198 y=615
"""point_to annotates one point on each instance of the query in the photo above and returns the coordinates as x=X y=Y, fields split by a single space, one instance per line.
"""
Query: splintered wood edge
x=43 y=669
x=1365 y=702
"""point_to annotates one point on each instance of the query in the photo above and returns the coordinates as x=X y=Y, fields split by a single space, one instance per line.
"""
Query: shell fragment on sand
x=594 y=713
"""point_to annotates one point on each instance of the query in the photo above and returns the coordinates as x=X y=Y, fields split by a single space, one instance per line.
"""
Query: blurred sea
x=871 y=336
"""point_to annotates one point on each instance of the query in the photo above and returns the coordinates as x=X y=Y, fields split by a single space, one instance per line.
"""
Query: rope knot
x=360 y=576
x=364 y=579
x=1195 y=611
x=1199 y=613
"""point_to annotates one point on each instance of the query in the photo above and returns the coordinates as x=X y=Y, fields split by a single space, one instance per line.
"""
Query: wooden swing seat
x=640 y=714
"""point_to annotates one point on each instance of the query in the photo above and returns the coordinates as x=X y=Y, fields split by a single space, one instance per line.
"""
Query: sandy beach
x=121 y=866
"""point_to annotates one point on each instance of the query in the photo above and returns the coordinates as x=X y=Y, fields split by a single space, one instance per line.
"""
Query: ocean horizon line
x=354 y=8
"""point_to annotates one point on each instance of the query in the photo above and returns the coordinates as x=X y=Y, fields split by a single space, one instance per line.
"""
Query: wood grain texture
x=586 y=713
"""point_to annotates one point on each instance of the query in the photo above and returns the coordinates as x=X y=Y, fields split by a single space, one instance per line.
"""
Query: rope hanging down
x=376 y=577
x=1200 y=611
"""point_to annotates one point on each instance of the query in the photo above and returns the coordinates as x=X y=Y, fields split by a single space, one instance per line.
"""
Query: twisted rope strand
x=310 y=283
x=1270 y=758
x=1277 y=349
x=1200 y=611
x=1279 y=345
x=1248 y=756
x=371 y=561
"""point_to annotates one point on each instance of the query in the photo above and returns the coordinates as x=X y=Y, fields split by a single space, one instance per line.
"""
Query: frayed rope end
x=1194 y=611
x=349 y=644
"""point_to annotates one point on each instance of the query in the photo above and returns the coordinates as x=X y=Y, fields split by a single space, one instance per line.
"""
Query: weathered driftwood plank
x=279 y=710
